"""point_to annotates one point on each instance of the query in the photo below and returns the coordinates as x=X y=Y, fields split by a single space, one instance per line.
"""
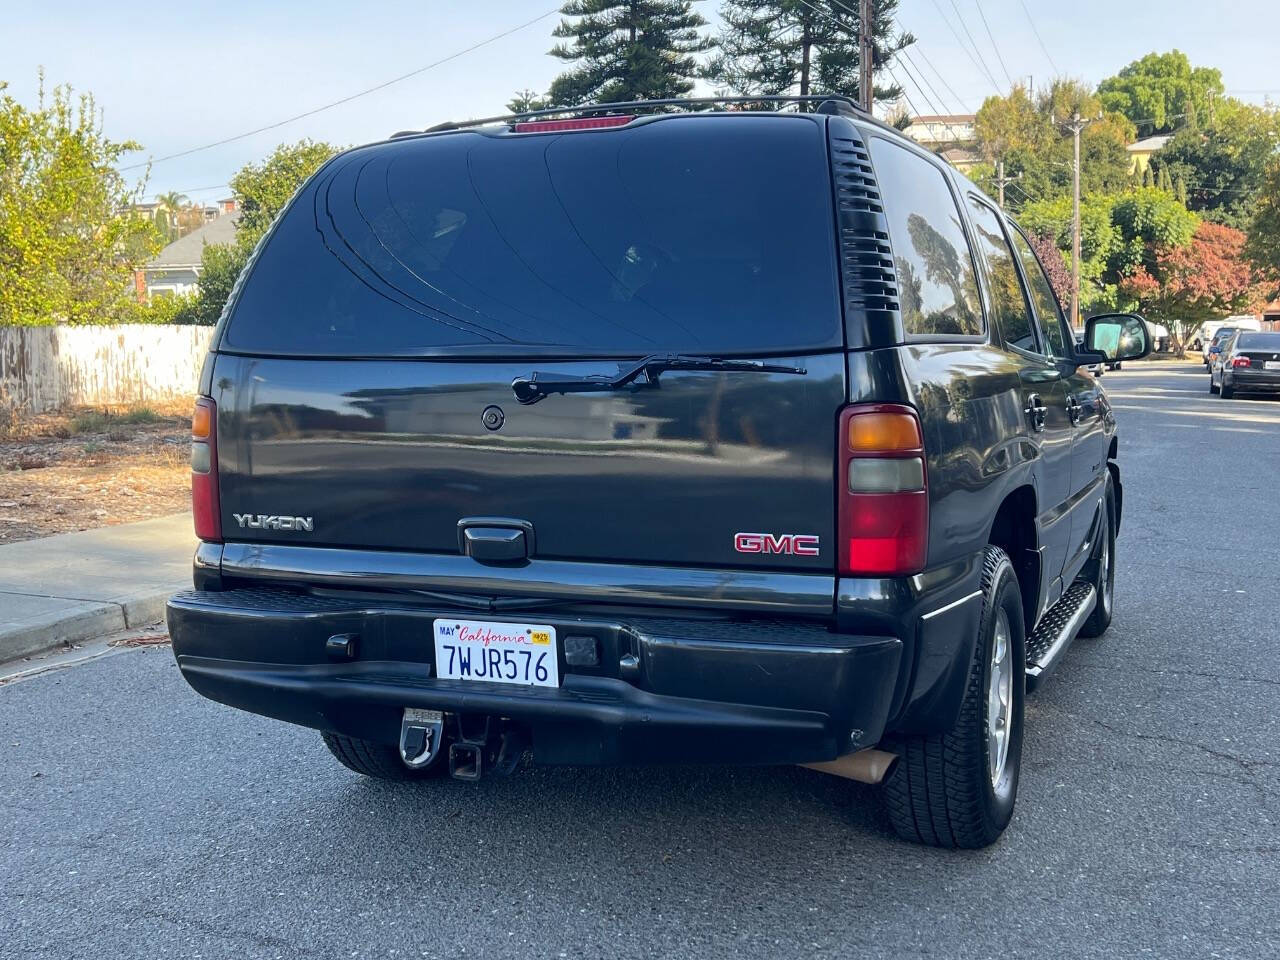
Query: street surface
x=139 y=820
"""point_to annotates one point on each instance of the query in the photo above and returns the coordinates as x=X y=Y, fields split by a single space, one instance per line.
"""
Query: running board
x=1058 y=627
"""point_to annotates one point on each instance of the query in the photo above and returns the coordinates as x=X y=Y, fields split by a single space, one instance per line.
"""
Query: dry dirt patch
x=91 y=468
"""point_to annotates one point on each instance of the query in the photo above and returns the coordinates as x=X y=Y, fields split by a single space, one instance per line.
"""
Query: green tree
x=779 y=47
x=627 y=50
x=1162 y=92
x=526 y=101
x=263 y=190
x=1263 y=245
x=172 y=204
x=1222 y=162
x=68 y=236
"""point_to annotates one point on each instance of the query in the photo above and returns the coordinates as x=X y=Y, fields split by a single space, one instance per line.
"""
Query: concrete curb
x=76 y=586
x=79 y=620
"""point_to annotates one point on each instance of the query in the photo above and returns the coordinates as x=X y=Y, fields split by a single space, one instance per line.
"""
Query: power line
x=1047 y=55
x=965 y=27
x=941 y=79
x=972 y=59
x=992 y=38
x=347 y=99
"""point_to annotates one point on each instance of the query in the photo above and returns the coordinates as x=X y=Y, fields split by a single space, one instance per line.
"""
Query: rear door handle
x=1074 y=409
x=1036 y=411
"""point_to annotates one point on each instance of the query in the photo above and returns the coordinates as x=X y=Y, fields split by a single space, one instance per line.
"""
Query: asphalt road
x=139 y=820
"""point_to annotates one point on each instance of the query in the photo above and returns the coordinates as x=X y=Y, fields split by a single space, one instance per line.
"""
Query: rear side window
x=938 y=290
x=1047 y=308
x=1008 y=300
x=690 y=234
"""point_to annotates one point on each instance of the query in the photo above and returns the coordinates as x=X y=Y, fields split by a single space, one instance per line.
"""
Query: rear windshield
x=1258 y=341
x=690 y=234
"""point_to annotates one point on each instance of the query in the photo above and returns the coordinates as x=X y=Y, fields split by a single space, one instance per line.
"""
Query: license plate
x=520 y=653
x=1271 y=365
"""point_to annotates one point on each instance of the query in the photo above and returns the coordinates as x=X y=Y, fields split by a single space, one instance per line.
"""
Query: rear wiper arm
x=537 y=386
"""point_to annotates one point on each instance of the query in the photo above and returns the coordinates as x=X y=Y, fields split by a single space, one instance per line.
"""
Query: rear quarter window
x=938 y=287
x=689 y=234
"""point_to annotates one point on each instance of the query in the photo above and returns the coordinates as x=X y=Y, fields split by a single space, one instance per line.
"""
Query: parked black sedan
x=1250 y=363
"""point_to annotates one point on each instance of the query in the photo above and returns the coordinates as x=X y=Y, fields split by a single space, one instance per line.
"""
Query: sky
x=179 y=76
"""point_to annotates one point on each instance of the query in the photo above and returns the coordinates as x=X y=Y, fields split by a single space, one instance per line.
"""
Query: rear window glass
x=693 y=234
x=1258 y=341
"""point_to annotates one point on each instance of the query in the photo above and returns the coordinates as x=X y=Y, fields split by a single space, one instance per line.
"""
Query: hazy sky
x=174 y=76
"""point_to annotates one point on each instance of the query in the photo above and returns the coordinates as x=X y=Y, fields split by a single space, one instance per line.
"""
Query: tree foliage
x=1222 y=162
x=1161 y=92
x=779 y=47
x=627 y=50
x=68 y=239
x=1263 y=246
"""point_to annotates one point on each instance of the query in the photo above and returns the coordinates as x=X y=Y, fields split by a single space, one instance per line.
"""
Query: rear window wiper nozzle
x=537 y=386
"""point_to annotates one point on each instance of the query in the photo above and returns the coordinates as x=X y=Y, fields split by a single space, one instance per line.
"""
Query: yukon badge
x=795 y=544
x=261 y=521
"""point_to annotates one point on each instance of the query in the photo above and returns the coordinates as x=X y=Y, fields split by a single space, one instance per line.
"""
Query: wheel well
x=1114 y=449
x=1014 y=531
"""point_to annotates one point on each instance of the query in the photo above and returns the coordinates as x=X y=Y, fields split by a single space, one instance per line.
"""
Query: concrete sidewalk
x=75 y=586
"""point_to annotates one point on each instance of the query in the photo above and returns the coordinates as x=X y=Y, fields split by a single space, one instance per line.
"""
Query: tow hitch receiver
x=421 y=734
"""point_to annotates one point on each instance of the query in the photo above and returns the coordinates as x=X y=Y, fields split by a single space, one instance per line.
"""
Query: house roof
x=1148 y=144
x=959 y=118
x=187 y=251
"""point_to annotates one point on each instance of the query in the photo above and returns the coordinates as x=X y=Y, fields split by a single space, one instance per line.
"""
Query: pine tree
x=1180 y=189
x=1147 y=179
x=780 y=47
x=627 y=50
x=1163 y=181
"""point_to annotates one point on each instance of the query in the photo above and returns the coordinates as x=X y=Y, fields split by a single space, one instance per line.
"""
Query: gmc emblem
x=795 y=544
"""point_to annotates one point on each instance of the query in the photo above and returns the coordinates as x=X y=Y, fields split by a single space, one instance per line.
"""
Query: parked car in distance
x=643 y=438
x=1249 y=363
x=1159 y=336
x=1214 y=346
x=1205 y=333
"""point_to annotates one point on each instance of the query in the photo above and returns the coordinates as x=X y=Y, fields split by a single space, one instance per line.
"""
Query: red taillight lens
x=204 y=471
x=584 y=123
x=883 y=498
x=1241 y=362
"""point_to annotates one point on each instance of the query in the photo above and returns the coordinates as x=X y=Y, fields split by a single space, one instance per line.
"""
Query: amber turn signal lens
x=202 y=421
x=884 y=432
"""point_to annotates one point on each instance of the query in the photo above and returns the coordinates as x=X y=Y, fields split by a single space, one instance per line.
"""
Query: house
x=176 y=269
x=942 y=130
x=1140 y=152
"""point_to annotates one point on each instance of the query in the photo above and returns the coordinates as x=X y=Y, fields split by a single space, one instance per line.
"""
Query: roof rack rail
x=833 y=104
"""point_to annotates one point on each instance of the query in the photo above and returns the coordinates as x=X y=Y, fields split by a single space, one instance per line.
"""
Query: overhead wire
x=994 y=46
x=974 y=55
x=1047 y=55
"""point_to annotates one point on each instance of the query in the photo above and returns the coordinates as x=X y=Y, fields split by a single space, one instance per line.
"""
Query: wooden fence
x=48 y=368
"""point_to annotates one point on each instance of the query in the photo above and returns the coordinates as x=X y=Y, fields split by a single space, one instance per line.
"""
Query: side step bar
x=1058 y=627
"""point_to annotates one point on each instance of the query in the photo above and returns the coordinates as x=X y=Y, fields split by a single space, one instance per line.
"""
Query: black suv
x=643 y=434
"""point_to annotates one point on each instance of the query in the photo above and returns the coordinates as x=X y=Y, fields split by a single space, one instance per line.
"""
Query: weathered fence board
x=46 y=368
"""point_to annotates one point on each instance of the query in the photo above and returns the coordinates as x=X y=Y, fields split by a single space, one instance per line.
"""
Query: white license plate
x=1271 y=365
x=522 y=653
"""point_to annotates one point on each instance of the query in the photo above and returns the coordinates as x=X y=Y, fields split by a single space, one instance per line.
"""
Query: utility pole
x=866 y=31
x=1002 y=181
x=1075 y=125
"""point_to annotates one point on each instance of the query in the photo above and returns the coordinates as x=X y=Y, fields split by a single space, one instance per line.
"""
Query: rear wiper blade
x=536 y=386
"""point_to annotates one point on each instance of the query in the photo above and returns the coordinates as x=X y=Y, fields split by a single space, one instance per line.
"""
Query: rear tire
x=378 y=760
x=1225 y=392
x=1103 y=569
x=957 y=789
x=1212 y=389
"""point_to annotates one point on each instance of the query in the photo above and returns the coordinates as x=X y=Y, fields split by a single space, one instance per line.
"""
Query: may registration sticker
x=522 y=653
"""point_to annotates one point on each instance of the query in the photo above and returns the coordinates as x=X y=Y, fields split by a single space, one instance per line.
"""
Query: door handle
x=1074 y=410
x=1036 y=411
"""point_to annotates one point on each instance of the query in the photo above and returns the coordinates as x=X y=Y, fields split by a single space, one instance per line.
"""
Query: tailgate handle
x=495 y=539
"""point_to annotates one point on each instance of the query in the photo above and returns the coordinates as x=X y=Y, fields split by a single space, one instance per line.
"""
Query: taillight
x=583 y=123
x=883 y=497
x=1241 y=362
x=204 y=470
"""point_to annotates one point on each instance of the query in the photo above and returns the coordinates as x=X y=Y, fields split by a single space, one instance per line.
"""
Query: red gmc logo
x=796 y=544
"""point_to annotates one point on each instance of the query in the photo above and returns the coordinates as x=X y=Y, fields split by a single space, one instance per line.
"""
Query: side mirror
x=1118 y=336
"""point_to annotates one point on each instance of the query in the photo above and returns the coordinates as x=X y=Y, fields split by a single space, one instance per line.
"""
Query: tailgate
x=392 y=454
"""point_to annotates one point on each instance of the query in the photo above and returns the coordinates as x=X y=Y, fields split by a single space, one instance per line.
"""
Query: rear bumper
x=1259 y=381
x=666 y=690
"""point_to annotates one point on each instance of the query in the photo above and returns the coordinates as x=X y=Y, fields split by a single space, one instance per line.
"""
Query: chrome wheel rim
x=999 y=700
